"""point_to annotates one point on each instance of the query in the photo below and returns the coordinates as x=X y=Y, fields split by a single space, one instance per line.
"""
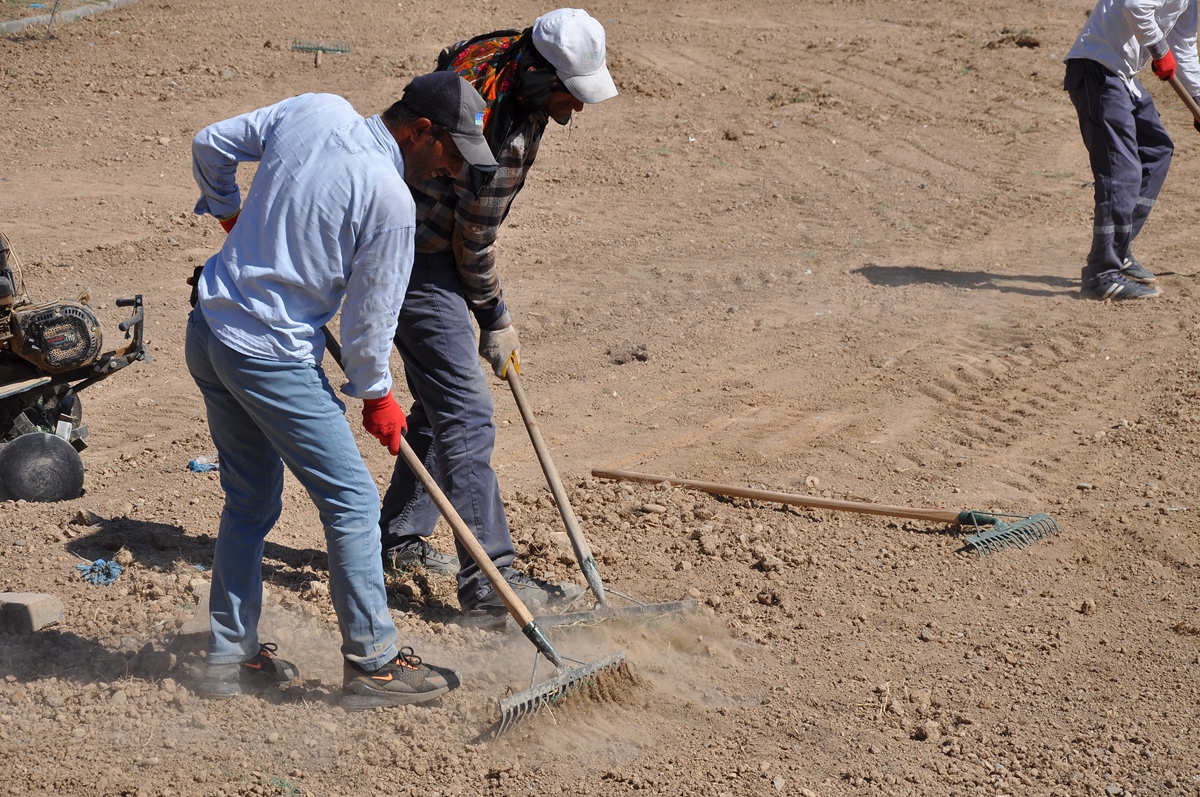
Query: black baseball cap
x=448 y=101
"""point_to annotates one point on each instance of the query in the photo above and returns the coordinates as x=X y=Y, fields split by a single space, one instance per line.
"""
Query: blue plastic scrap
x=204 y=464
x=99 y=572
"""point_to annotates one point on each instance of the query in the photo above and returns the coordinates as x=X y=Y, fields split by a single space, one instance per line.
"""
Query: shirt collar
x=387 y=141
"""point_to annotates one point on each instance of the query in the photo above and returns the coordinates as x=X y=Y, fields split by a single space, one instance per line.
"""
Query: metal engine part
x=49 y=353
x=39 y=410
x=56 y=336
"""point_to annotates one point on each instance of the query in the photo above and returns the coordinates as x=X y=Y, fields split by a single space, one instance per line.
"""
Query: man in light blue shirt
x=328 y=217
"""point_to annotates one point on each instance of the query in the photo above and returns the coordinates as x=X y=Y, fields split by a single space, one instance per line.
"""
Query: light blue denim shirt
x=327 y=216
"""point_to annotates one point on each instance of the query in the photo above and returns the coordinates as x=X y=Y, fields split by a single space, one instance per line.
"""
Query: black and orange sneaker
x=402 y=681
x=220 y=681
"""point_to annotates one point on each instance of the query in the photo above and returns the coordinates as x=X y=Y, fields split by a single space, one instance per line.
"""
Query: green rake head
x=1016 y=534
x=320 y=48
x=313 y=47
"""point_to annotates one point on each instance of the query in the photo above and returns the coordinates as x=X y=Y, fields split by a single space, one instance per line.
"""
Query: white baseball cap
x=573 y=42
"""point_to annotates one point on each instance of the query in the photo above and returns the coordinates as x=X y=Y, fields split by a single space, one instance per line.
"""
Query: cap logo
x=479 y=119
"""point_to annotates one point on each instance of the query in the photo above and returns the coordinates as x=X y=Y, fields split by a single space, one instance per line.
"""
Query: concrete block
x=25 y=612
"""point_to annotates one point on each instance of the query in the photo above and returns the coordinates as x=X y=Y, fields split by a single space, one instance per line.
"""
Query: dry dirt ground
x=844 y=238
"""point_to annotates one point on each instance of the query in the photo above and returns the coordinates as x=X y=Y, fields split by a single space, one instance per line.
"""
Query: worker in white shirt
x=1128 y=146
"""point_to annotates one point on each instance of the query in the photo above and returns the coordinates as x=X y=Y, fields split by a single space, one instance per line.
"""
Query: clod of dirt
x=86 y=518
x=1018 y=38
x=927 y=731
x=627 y=352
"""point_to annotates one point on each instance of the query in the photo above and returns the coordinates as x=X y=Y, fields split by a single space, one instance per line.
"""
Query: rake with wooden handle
x=583 y=552
x=567 y=678
x=1187 y=98
x=1019 y=533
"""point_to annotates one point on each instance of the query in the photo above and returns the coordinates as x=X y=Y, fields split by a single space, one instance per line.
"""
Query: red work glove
x=227 y=224
x=384 y=419
x=1164 y=67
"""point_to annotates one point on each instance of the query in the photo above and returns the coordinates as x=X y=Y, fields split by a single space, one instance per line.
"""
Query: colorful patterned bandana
x=508 y=72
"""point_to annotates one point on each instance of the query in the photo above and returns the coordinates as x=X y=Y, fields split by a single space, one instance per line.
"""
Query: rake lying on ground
x=317 y=48
x=1019 y=533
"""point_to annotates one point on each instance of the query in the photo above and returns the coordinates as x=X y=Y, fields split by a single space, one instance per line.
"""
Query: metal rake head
x=517 y=707
x=1019 y=534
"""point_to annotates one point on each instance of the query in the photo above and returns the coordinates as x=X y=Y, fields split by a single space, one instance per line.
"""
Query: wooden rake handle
x=862 y=507
x=1187 y=98
x=465 y=537
x=583 y=551
x=463 y=534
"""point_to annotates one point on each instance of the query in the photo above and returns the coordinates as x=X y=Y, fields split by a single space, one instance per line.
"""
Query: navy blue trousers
x=450 y=426
x=1130 y=153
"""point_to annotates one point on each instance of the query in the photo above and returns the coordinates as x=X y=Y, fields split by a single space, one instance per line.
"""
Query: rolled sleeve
x=219 y=148
x=1141 y=17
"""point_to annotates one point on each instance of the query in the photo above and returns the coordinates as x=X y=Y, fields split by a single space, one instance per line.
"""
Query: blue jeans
x=450 y=424
x=1130 y=153
x=263 y=414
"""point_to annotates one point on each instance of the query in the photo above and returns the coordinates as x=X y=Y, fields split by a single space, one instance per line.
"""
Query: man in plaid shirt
x=548 y=71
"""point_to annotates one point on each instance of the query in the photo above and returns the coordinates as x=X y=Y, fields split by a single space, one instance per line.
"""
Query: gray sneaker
x=402 y=681
x=222 y=681
x=1135 y=271
x=1116 y=286
x=535 y=593
x=415 y=552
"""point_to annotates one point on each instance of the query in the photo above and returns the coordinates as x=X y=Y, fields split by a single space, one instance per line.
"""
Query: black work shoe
x=1116 y=286
x=1135 y=271
x=415 y=552
x=220 y=681
x=402 y=681
x=535 y=593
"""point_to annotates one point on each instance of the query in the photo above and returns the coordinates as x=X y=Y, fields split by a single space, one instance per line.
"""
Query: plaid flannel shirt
x=460 y=217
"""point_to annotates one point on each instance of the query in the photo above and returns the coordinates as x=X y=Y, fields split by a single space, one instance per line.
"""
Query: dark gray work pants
x=1130 y=153
x=450 y=426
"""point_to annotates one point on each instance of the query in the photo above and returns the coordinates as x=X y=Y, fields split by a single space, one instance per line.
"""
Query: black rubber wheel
x=40 y=467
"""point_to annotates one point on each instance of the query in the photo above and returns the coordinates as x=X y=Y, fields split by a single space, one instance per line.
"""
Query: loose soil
x=827 y=248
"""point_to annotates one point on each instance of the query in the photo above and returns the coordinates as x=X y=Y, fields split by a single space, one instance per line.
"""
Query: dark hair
x=400 y=114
